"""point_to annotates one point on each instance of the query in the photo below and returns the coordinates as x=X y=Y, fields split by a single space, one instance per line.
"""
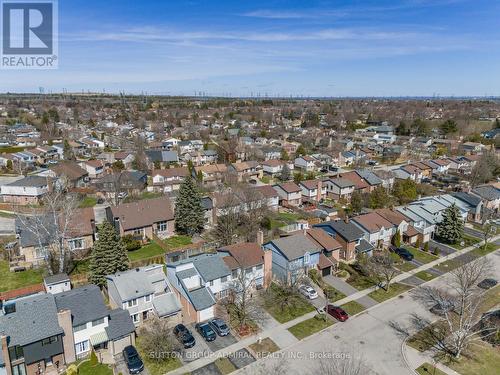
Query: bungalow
x=144 y=292
x=312 y=190
x=25 y=191
x=339 y=188
x=144 y=219
x=290 y=194
x=377 y=230
x=293 y=256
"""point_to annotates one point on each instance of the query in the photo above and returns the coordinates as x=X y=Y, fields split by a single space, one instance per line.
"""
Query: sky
x=273 y=47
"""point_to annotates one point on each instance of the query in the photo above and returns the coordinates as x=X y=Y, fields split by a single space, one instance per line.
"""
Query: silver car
x=308 y=291
x=220 y=327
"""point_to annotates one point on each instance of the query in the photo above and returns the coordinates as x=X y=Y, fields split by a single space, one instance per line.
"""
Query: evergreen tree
x=451 y=228
x=109 y=255
x=396 y=239
x=189 y=214
x=285 y=174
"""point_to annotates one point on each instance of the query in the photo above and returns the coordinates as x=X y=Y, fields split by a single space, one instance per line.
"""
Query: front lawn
x=481 y=358
x=264 y=348
x=298 y=306
x=449 y=265
x=88 y=202
x=310 y=326
x=428 y=369
x=15 y=280
x=86 y=368
x=421 y=256
x=224 y=365
x=155 y=367
x=484 y=250
x=425 y=275
x=380 y=295
x=356 y=279
x=353 y=307
x=406 y=266
x=468 y=241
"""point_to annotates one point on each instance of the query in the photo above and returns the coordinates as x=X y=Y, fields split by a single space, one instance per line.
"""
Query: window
x=16 y=352
x=235 y=274
x=135 y=318
x=132 y=303
x=97 y=322
x=80 y=328
x=75 y=244
x=162 y=226
x=19 y=369
x=307 y=258
x=223 y=279
x=147 y=298
x=138 y=232
x=49 y=340
x=211 y=283
x=82 y=347
x=259 y=267
x=144 y=315
x=48 y=362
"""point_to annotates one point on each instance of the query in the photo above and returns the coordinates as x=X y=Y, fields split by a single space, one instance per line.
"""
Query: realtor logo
x=29 y=34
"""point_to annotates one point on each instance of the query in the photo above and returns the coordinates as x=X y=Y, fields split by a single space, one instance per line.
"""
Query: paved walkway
x=277 y=332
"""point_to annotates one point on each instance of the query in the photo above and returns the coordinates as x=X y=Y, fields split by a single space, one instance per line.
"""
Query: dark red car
x=337 y=312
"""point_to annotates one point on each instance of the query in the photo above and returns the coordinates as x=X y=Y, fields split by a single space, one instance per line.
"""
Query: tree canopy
x=189 y=214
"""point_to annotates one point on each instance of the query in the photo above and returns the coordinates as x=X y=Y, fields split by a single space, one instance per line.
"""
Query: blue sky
x=312 y=48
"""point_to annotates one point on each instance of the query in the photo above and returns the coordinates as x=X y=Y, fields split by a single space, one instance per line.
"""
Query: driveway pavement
x=348 y=290
x=473 y=232
x=444 y=249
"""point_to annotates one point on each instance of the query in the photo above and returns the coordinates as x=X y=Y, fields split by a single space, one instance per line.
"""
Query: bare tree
x=381 y=268
x=52 y=225
x=460 y=306
x=158 y=341
x=284 y=293
x=255 y=209
x=228 y=216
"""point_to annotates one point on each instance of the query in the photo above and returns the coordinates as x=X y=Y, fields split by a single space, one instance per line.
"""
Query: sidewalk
x=277 y=333
x=415 y=359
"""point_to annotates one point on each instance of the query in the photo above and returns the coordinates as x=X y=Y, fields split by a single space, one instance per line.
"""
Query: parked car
x=337 y=312
x=442 y=308
x=184 y=335
x=206 y=331
x=133 y=360
x=308 y=291
x=403 y=253
x=122 y=194
x=487 y=283
x=100 y=200
x=219 y=326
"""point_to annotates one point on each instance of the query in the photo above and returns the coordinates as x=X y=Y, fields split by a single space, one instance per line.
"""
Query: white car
x=308 y=291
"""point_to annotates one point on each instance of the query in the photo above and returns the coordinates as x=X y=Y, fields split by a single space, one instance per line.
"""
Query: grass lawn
x=448 y=265
x=468 y=240
x=289 y=217
x=87 y=369
x=265 y=347
x=425 y=275
x=15 y=280
x=177 y=241
x=491 y=298
x=423 y=339
x=481 y=358
x=353 y=307
x=157 y=368
x=81 y=266
x=265 y=179
x=381 y=295
x=147 y=251
x=355 y=279
x=406 y=266
x=482 y=250
x=332 y=293
x=310 y=326
x=224 y=365
x=298 y=307
x=421 y=256
x=88 y=202
x=6 y=214
x=428 y=369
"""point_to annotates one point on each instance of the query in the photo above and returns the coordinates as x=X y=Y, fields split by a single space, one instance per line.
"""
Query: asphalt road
x=370 y=335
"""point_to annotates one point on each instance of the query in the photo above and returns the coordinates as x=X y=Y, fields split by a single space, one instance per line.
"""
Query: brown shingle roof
x=323 y=239
x=143 y=213
x=372 y=222
x=69 y=169
x=395 y=217
x=247 y=254
x=290 y=187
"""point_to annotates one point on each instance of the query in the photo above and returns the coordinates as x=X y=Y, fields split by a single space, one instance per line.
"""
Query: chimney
x=346 y=219
x=64 y=320
x=260 y=237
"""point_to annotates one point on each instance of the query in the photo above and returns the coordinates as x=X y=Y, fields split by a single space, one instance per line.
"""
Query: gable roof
x=319 y=236
x=487 y=192
x=295 y=246
x=131 y=284
x=359 y=183
x=69 y=169
x=246 y=254
x=143 y=213
x=369 y=177
x=349 y=231
x=162 y=156
x=372 y=222
x=394 y=217
x=289 y=187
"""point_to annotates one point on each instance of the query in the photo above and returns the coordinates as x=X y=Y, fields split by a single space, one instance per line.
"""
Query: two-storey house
x=290 y=194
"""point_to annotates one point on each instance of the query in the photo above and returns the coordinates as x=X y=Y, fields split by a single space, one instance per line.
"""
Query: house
x=409 y=171
x=271 y=153
x=290 y=194
x=400 y=222
x=270 y=195
x=339 y=188
x=313 y=191
x=423 y=227
x=126 y=157
x=360 y=184
x=166 y=180
x=208 y=209
x=330 y=255
x=377 y=230
x=198 y=282
x=144 y=219
x=250 y=258
x=471 y=147
x=75 y=175
x=474 y=203
x=112 y=184
x=246 y=170
x=94 y=327
x=210 y=175
x=274 y=167
x=370 y=177
x=156 y=158
x=490 y=196
x=293 y=256
x=144 y=292
x=350 y=237
x=34 y=336
x=305 y=163
x=93 y=167
x=25 y=191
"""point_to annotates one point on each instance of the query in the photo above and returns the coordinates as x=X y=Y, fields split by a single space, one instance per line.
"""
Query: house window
x=259 y=267
x=76 y=244
x=49 y=340
x=80 y=328
x=132 y=303
x=40 y=252
x=135 y=318
x=48 y=362
x=82 y=347
x=144 y=315
x=307 y=258
x=211 y=283
x=162 y=226
x=223 y=279
x=234 y=274
x=16 y=352
x=147 y=298
x=19 y=369
x=97 y=322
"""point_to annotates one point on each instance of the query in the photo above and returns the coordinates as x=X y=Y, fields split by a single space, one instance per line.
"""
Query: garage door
x=326 y=271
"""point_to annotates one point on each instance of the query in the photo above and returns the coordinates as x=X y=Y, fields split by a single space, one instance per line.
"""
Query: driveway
x=201 y=349
x=347 y=289
x=473 y=232
x=444 y=249
x=221 y=342
x=121 y=367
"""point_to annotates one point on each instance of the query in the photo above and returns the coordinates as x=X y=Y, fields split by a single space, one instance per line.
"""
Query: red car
x=337 y=312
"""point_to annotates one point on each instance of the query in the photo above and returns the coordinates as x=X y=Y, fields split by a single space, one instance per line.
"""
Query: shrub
x=93 y=359
x=72 y=370
x=436 y=251
x=315 y=276
x=131 y=243
x=419 y=243
x=426 y=246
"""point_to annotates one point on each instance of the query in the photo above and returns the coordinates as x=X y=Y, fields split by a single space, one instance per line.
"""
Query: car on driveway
x=132 y=359
x=220 y=326
x=337 y=312
x=206 y=331
x=403 y=253
x=308 y=291
x=184 y=335
x=487 y=283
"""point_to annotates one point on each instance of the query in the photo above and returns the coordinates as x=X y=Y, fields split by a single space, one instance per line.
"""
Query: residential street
x=369 y=333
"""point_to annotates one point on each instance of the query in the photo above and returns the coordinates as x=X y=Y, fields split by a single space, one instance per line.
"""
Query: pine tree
x=109 y=255
x=396 y=239
x=451 y=228
x=286 y=174
x=189 y=214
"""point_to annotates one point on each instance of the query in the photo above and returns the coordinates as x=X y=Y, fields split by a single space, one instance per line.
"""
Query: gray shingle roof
x=56 y=279
x=487 y=192
x=132 y=284
x=162 y=156
x=201 y=298
x=35 y=319
x=166 y=304
x=119 y=324
x=27 y=237
x=467 y=198
x=211 y=267
x=370 y=177
x=86 y=304
x=364 y=246
x=186 y=274
x=30 y=181
x=294 y=247
x=349 y=231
